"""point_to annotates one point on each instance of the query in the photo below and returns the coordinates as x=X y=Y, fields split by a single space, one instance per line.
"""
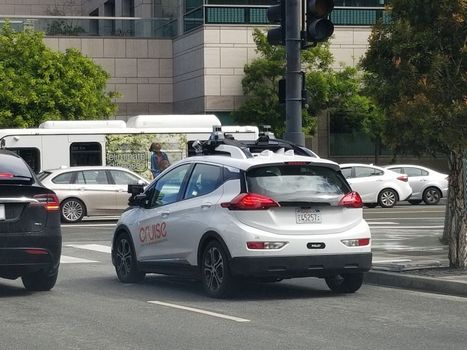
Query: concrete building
x=187 y=56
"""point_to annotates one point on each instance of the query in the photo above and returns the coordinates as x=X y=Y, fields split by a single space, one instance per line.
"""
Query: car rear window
x=43 y=174
x=14 y=169
x=297 y=183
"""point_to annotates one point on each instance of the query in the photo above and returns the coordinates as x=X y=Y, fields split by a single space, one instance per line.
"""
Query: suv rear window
x=297 y=183
x=13 y=169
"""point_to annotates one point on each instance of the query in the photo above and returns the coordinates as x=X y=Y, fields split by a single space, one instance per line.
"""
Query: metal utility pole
x=293 y=85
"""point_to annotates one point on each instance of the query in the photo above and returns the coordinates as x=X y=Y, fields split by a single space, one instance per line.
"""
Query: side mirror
x=139 y=200
x=136 y=189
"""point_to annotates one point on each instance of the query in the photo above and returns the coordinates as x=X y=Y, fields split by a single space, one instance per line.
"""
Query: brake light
x=265 y=245
x=36 y=251
x=6 y=175
x=49 y=201
x=359 y=242
x=404 y=178
x=250 y=201
x=297 y=163
x=351 y=200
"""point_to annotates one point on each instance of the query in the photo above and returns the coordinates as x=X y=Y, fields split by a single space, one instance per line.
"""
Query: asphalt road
x=90 y=309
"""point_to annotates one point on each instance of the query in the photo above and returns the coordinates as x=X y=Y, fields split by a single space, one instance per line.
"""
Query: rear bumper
x=300 y=266
x=29 y=252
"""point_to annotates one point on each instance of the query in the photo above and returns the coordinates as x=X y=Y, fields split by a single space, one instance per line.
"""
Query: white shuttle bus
x=113 y=142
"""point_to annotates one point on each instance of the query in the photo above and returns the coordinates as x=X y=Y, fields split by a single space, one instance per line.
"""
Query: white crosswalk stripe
x=65 y=259
x=94 y=247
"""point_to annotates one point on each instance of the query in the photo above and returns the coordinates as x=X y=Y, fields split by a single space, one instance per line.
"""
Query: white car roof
x=260 y=159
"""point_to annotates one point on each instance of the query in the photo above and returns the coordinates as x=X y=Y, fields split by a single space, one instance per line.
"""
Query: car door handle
x=165 y=214
x=206 y=205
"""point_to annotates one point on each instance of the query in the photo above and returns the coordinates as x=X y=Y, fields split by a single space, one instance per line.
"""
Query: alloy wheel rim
x=432 y=196
x=388 y=198
x=72 y=210
x=213 y=269
x=124 y=257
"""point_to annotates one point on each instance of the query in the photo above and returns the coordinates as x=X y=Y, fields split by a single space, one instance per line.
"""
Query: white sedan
x=377 y=185
x=427 y=184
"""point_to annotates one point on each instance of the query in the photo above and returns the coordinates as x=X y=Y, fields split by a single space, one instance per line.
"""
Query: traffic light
x=276 y=14
x=318 y=26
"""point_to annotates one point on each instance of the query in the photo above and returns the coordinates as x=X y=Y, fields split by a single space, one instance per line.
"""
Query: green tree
x=417 y=73
x=38 y=84
x=328 y=89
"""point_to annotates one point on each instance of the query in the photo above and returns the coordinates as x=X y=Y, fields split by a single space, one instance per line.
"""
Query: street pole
x=293 y=84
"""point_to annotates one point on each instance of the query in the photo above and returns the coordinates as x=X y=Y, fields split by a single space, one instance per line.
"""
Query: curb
x=421 y=283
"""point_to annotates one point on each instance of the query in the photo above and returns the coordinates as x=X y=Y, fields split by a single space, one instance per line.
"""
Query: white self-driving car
x=233 y=214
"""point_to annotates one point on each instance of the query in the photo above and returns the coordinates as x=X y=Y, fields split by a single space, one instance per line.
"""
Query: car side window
x=347 y=172
x=397 y=170
x=123 y=178
x=167 y=188
x=204 y=179
x=95 y=177
x=65 y=178
x=413 y=172
x=361 y=171
x=79 y=178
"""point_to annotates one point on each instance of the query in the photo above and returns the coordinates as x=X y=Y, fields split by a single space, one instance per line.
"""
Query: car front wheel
x=431 y=196
x=215 y=274
x=40 y=281
x=387 y=198
x=345 y=283
x=72 y=210
x=124 y=257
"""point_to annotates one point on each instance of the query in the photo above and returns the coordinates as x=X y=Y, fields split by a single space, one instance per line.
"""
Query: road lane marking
x=381 y=222
x=72 y=260
x=419 y=218
x=390 y=261
x=95 y=247
x=88 y=225
x=410 y=227
x=199 y=311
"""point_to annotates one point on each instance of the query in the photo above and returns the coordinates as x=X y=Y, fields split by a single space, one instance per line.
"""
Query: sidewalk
x=427 y=272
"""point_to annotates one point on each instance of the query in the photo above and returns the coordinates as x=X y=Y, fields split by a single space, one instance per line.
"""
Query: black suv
x=30 y=236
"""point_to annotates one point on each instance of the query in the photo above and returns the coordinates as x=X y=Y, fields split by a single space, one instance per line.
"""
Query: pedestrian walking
x=159 y=159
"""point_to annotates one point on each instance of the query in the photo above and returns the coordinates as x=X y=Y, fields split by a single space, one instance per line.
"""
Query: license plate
x=2 y=212
x=308 y=216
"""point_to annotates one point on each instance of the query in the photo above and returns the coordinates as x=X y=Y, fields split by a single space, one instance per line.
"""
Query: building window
x=85 y=153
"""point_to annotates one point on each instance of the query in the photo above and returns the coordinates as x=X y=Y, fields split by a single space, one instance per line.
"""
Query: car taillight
x=250 y=201
x=404 y=178
x=6 y=175
x=359 y=242
x=265 y=245
x=351 y=200
x=49 y=201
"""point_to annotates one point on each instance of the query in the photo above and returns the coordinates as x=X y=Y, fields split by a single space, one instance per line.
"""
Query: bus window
x=85 y=153
x=30 y=155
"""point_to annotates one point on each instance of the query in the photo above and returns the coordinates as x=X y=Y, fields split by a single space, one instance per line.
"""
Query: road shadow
x=9 y=291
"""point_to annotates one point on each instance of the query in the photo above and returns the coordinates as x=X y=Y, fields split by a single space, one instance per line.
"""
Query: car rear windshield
x=13 y=169
x=297 y=183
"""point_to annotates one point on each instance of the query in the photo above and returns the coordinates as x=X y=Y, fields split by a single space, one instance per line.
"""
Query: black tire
x=415 y=201
x=371 y=205
x=345 y=283
x=216 y=278
x=40 y=281
x=72 y=210
x=431 y=196
x=387 y=198
x=126 y=265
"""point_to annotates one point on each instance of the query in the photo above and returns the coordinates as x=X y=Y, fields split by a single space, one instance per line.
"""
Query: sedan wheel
x=72 y=210
x=124 y=258
x=431 y=196
x=387 y=198
x=215 y=274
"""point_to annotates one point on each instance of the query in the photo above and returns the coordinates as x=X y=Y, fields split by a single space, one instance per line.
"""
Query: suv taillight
x=351 y=200
x=250 y=201
x=49 y=201
x=404 y=178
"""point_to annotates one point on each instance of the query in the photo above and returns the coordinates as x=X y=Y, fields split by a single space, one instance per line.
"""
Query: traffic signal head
x=276 y=14
x=318 y=26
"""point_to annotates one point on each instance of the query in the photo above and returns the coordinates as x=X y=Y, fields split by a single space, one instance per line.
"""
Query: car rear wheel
x=345 y=283
x=72 y=210
x=215 y=274
x=415 y=201
x=387 y=198
x=40 y=281
x=431 y=196
x=126 y=265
